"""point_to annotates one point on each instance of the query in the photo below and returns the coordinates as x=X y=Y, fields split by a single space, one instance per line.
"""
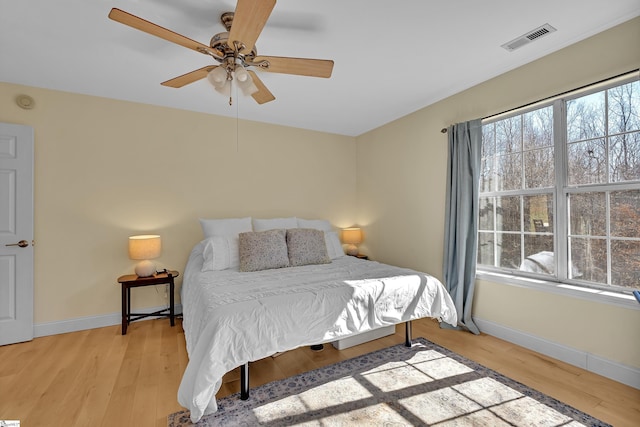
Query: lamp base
x=145 y=268
x=352 y=249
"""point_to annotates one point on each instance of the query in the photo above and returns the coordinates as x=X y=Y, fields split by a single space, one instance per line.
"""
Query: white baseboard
x=90 y=322
x=599 y=365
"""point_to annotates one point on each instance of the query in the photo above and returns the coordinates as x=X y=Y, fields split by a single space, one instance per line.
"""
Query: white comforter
x=231 y=318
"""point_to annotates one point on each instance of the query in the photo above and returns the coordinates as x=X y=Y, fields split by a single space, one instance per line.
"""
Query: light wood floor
x=101 y=378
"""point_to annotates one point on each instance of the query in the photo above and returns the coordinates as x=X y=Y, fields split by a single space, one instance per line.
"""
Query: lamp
x=144 y=248
x=352 y=237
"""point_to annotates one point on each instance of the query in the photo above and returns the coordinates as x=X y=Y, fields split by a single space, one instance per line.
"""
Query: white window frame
x=561 y=283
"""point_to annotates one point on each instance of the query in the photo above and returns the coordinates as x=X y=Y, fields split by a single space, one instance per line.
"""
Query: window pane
x=486 y=213
x=539 y=256
x=488 y=140
x=589 y=259
x=587 y=162
x=509 y=172
x=538 y=244
x=509 y=135
x=624 y=108
x=508 y=213
x=486 y=174
x=625 y=263
x=625 y=213
x=538 y=128
x=587 y=214
x=485 y=248
x=585 y=117
x=538 y=213
x=624 y=157
x=508 y=250
x=538 y=168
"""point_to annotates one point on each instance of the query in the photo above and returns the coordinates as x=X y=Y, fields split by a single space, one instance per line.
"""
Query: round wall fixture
x=25 y=101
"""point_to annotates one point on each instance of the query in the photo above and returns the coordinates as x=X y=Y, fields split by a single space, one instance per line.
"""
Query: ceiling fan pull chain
x=230 y=80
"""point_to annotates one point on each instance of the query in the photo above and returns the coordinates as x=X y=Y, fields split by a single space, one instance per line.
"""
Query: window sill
x=589 y=294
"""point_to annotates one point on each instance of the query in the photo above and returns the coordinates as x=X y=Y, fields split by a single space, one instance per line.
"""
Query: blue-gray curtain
x=461 y=218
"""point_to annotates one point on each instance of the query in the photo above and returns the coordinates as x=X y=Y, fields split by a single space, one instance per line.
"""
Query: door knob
x=21 y=243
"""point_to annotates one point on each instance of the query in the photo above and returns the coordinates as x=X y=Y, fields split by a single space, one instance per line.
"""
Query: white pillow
x=318 y=224
x=334 y=246
x=225 y=227
x=273 y=223
x=221 y=253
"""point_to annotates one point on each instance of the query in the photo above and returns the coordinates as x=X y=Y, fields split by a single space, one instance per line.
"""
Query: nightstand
x=133 y=281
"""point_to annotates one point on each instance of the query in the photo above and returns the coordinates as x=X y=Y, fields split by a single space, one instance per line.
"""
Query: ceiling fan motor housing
x=220 y=43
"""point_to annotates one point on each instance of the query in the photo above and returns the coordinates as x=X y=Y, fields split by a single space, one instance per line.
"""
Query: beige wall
x=401 y=194
x=106 y=169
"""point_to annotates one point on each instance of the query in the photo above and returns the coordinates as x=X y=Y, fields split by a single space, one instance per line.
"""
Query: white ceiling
x=391 y=57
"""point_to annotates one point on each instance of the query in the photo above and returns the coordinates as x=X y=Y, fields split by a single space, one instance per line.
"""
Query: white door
x=16 y=233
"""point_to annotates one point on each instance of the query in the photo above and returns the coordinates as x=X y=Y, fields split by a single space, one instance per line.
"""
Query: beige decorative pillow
x=306 y=246
x=263 y=250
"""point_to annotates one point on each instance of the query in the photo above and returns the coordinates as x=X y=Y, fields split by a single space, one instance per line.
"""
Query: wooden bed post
x=407 y=336
x=244 y=381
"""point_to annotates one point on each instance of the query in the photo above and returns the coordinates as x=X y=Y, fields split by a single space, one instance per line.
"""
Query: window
x=560 y=189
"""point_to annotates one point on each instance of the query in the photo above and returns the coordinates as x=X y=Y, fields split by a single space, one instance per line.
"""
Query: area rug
x=424 y=385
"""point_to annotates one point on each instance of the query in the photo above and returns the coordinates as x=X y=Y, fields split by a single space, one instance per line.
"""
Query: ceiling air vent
x=528 y=37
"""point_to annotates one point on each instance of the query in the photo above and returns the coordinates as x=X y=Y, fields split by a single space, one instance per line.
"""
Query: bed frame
x=244 y=369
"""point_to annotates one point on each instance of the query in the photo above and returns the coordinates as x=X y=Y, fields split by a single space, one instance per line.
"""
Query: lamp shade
x=144 y=248
x=352 y=236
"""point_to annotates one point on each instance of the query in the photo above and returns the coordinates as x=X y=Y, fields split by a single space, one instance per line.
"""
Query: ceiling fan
x=234 y=50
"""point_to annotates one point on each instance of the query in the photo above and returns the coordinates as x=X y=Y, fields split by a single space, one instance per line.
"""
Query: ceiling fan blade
x=298 y=66
x=158 y=31
x=249 y=19
x=191 y=77
x=263 y=95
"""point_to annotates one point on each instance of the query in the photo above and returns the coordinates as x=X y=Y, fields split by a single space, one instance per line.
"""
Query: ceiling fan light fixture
x=241 y=74
x=223 y=88
x=217 y=77
x=248 y=87
x=245 y=81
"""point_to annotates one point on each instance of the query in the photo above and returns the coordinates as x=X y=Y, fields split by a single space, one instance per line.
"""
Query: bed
x=234 y=314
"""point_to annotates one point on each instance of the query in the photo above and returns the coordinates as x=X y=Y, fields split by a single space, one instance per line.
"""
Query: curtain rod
x=628 y=73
